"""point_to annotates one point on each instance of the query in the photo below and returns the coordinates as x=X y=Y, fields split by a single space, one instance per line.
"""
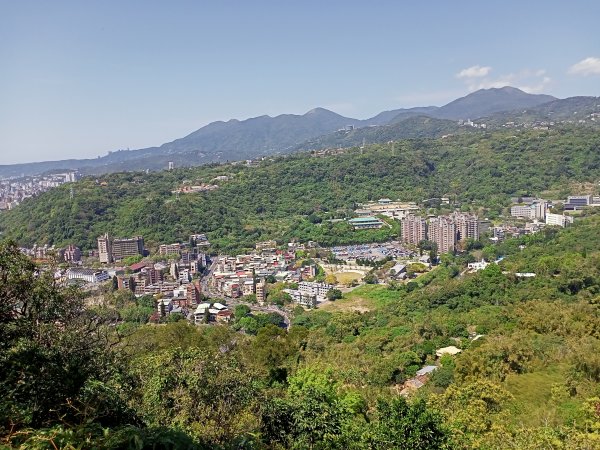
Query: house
x=200 y=313
x=477 y=266
x=398 y=271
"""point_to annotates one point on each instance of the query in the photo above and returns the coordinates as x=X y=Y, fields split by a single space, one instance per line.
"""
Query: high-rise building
x=193 y=293
x=261 y=291
x=442 y=231
x=105 y=249
x=122 y=248
x=467 y=226
x=111 y=250
x=414 y=229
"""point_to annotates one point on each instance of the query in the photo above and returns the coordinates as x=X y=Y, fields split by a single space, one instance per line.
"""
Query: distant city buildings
x=534 y=209
x=13 y=191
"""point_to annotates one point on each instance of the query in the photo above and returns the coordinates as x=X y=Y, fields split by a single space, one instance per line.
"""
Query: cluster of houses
x=243 y=275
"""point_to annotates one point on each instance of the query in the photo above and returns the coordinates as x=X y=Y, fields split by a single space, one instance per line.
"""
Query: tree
x=404 y=425
x=54 y=354
x=241 y=311
x=115 y=283
x=331 y=279
x=370 y=278
x=334 y=294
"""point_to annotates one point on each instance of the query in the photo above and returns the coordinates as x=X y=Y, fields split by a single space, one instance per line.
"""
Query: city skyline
x=80 y=81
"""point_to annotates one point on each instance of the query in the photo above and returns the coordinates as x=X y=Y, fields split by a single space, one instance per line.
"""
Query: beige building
x=442 y=231
x=414 y=229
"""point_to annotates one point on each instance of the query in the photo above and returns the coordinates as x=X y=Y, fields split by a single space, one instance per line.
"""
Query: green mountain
x=409 y=127
x=284 y=197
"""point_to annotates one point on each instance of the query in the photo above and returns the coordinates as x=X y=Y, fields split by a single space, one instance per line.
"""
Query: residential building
x=105 y=249
x=72 y=254
x=467 y=226
x=302 y=298
x=122 y=248
x=442 y=231
x=171 y=249
x=266 y=246
x=414 y=229
x=534 y=210
x=261 y=291
x=194 y=293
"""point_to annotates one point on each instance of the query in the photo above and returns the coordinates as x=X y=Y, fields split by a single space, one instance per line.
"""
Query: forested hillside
x=285 y=198
x=529 y=380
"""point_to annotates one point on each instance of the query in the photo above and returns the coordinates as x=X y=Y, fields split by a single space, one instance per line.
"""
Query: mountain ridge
x=250 y=138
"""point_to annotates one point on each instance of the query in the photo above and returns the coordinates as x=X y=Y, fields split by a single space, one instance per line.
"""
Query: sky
x=81 y=78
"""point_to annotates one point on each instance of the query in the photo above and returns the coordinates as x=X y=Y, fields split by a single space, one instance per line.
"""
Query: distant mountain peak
x=489 y=101
x=318 y=110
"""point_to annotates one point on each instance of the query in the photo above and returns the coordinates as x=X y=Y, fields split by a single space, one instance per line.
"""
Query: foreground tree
x=55 y=357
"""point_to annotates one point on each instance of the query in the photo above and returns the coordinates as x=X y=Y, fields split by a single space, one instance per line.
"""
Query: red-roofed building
x=137 y=267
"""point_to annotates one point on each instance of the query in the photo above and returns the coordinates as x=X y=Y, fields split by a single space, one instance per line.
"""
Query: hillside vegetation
x=530 y=381
x=285 y=198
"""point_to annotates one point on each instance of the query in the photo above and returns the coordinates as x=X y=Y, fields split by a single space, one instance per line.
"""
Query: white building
x=319 y=290
x=88 y=275
x=558 y=219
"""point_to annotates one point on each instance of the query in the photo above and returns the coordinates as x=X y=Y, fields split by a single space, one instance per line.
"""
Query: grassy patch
x=533 y=404
x=364 y=298
x=347 y=277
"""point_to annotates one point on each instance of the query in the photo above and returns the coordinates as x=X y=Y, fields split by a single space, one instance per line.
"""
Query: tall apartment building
x=261 y=291
x=467 y=226
x=105 y=249
x=414 y=229
x=442 y=231
x=111 y=250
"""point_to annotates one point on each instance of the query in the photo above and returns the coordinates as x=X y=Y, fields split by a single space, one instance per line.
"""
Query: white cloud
x=588 y=66
x=531 y=81
x=474 y=72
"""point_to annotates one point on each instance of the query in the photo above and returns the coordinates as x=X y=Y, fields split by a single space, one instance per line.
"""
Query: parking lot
x=372 y=252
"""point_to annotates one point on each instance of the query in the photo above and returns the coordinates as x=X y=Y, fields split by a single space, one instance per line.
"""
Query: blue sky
x=80 y=78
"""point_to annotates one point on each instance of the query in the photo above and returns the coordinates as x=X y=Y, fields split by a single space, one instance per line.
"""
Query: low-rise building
x=362 y=223
x=88 y=275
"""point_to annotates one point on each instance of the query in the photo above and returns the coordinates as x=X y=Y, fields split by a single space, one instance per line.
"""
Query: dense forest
x=71 y=379
x=294 y=197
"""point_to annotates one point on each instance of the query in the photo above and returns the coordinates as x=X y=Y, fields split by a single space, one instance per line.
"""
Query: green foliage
x=54 y=361
x=404 y=425
x=334 y=294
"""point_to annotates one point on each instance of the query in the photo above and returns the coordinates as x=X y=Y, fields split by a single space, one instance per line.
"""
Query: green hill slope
x=274 y=199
